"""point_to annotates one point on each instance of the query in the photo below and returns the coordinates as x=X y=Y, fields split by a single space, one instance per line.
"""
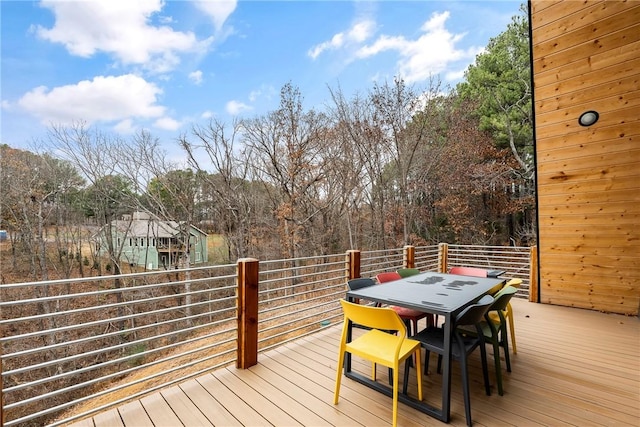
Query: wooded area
x=397 y=165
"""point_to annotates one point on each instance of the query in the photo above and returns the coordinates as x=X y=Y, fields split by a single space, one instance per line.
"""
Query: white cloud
x=196 y=77
x=455 y=75
x=207 y=114
x=358 y=33
x=104 y=99
x=121 y=29
x=125 y=126
x=265 y=92
x=218 y=10
x=167 y=123
x=428 y=55
x=236 y=107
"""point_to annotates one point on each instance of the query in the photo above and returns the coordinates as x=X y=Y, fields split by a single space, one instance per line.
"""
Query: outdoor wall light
x=588 y=118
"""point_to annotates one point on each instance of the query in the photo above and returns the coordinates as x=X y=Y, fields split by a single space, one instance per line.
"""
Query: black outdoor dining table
x=437 y=293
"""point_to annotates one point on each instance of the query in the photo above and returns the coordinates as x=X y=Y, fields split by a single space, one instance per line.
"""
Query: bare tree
x=228 y=196
x=286 y=148
x=109 y=195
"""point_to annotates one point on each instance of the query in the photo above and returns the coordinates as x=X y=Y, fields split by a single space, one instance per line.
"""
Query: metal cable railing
x=427 y=258
x=374 y=262
x=513 y=260
x=72 y=348
x=299 y=296
x=68 y=345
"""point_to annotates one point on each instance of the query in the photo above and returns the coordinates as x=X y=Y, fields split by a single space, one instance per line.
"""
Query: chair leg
x=415 y=331
x=485 y=369
x=336 y=393
x=427 y=353
x=507 y=359
x=432 y=320
x=419 y=373
x=406 y=375
x=496 y=359
x=395 y=397
x=504 y=343
x=512 y=332
x=465 y=388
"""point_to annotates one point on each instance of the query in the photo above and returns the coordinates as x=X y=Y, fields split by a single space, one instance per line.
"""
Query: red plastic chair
x=469 y=271
x=407 y=314
x=388 y=276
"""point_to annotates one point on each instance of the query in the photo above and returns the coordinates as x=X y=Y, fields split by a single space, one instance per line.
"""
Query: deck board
x=573 y=367
x=159 y=411
x=208 y=405
x=185 y=410
x=133 y=413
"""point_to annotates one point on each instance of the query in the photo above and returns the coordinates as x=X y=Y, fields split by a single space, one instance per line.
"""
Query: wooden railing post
x=352 y=267
x=247 y=269
x=409 y=260
x=443 y=257
x=534 y=287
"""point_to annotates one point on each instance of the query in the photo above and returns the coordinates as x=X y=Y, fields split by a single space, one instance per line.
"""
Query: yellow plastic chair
x=377 y=346
x=508 y=315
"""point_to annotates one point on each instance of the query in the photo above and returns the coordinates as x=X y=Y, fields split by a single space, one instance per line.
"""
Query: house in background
x=586 y=77
x=149 y=242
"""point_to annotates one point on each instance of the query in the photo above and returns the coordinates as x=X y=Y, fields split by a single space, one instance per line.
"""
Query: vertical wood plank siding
x=586 y=56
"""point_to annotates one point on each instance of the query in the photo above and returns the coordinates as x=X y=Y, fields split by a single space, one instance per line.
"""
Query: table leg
x=446 y=370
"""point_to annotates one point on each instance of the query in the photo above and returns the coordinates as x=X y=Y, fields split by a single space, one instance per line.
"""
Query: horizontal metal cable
x=297 y=321
x=278 y=279
x=123 y=386
x=285 y=297
x=295 y=337
x=299 y=267
x=294 y=287
x=120 y=373
x=113 y=305
x=50 y=347
x=113 y=277
x=280 y=307
x=110 y=320
x=104 y=350
x=280 y=261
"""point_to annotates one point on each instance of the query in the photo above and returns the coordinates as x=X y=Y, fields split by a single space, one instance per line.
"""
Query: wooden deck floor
x=573 y=367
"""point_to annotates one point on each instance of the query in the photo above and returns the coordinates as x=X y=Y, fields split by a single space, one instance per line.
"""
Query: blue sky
x=123 y=65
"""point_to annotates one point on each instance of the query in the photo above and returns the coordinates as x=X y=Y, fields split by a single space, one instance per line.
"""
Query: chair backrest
x=359 y=283
x=514 y=282
x=469 y=271
x=382 y=318
x=502 y=298
x=475 y=312
x=388 y=277
x=407 y=272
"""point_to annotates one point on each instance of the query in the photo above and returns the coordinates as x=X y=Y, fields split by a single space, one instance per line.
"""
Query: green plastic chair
x=508 y=314
x=495 y=332
x=407 y=272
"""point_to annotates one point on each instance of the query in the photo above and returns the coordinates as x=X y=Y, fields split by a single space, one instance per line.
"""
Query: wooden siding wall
x=586 y=56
